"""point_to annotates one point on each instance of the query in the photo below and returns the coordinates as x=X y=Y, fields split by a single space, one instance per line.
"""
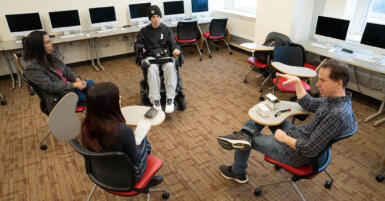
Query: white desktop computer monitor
x=199 y=8
x=23 y=24
x=331 y=30
x=102 y=17
x=65 y=21
x=173 y=9
x=138 y=12
x=373 y=39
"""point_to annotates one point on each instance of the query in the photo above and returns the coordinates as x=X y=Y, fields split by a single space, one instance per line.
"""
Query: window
x=366 y=11
x=243 y=5
x=376 y=13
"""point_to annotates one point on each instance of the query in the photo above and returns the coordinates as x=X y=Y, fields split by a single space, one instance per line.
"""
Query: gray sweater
x=48 y=82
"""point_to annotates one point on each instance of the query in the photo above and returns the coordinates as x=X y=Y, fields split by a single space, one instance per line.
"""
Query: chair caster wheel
x=245 y=81
x=165 y=195
x=293 y=98
x=217 y=48
x=261 y=98
x=257 y=192
x=210 y=56
x=328 y=184
x=380 y=178
x=200 y=59
x=3 y=102
x=231 y=53
x=276 y=167
x=43 y=147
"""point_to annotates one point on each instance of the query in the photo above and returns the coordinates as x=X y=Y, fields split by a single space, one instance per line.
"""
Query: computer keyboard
x=364 y=58
x=107 y=30
x=142 y=25
x=318 y=45
x=71 y=35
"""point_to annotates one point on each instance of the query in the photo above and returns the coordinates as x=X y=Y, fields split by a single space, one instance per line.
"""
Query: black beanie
x=154 y=10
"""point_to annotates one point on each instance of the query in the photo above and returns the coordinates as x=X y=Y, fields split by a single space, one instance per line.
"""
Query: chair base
x=258 y=190
x=165 y=194
x=44 y=146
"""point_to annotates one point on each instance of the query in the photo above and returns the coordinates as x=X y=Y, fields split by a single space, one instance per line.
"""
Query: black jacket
x=157 y=40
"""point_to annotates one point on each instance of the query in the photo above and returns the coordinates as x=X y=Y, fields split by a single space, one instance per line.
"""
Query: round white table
x=133 y=114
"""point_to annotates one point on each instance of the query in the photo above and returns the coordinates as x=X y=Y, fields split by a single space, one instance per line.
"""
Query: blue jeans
x=83 y=93
x=144 y=149
x=265 y=144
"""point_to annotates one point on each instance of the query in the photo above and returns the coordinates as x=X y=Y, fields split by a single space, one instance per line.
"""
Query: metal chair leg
x=91 y=193
x=231 y=52
x=208 y=49
x=43 y=146
x=298 y=191
x=200 y=53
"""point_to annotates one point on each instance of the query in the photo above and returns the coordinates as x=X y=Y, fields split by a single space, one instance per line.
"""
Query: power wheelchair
x=160 y=58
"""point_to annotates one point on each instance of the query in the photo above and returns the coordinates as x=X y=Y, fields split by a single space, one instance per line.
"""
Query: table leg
x=11 y=71
x=97 y=55
x=380 y=111
x=91 y=49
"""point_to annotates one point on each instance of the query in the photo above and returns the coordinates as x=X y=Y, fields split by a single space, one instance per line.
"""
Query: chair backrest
x=187 y=30
x=290 y=55
x=112 y=171
x=218 y=27
x=16 y=58
x=272 y=39
x=320 y=162
x=62 y=120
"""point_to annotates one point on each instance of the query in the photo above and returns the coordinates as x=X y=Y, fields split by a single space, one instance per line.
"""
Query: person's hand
x=144 y=50
x=79 y=85
x=176 y=52
x=289 y=78
x=280 y=135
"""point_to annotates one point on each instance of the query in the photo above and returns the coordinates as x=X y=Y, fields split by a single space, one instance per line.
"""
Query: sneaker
x=237 y=140
x=169 y=106
x=157 y=105
x=227 y=173
x=155 y=180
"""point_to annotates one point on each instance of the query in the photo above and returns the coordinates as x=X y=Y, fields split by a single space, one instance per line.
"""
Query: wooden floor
x=217 y=104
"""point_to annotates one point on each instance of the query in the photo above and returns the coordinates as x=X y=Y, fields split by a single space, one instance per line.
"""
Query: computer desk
x=271 y=120
x=349 y=58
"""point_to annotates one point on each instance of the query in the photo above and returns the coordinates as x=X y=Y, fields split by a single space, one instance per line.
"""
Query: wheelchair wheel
x=181 y=101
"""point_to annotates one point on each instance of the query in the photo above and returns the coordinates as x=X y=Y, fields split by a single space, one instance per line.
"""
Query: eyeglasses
x=47 y=42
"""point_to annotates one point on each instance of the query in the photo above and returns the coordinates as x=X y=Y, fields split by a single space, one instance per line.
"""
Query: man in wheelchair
x=155 y=46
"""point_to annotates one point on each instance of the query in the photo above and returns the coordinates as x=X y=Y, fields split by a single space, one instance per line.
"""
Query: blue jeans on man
x=265 y=144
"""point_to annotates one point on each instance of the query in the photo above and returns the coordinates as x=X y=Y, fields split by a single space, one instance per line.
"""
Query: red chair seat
x=80 y=108
x=184 y=41
x=255 y=62
x=311 y=66
x=291 y=86
x=299 y=171
x=153 y=165
x=207 y=35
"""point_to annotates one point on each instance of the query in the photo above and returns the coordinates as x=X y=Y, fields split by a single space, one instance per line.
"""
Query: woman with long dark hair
x=48 y=73
x=104 y=128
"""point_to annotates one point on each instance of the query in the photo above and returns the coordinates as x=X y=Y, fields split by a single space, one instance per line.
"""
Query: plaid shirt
x=333 y=117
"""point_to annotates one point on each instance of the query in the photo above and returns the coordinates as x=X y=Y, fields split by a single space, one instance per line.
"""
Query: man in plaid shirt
x=296 y=145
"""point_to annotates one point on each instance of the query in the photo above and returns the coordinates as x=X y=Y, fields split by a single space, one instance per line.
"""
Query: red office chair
x=217 y=32
x=294 y=55
x=317 y=165
x=115 y=173
x=187 y=33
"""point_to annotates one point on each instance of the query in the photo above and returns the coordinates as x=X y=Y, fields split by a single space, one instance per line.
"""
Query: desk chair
x=188 y=33
x=217 y=32
x=115 y=173
x=293 y=55
x=317 y=165
x=20 y=69
x=380 y=176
